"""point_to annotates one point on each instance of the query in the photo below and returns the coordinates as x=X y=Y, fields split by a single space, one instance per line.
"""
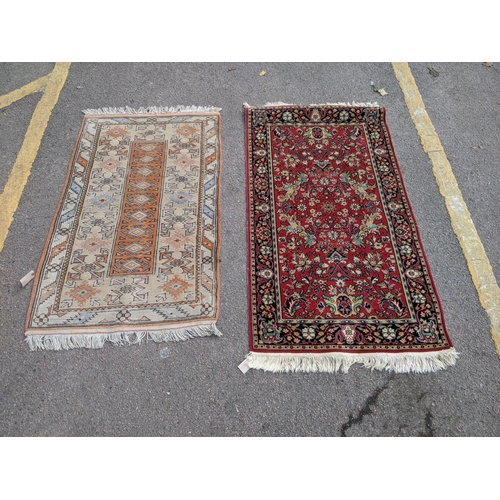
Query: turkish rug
x=133 y=249
x=337 y=272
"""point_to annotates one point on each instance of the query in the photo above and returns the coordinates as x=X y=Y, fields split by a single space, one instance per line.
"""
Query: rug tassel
x=279 y=103
x=152 y=110
x=97 y=341
x=334 y=362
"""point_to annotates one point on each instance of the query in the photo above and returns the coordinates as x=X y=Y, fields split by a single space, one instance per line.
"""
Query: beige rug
x=133 y=248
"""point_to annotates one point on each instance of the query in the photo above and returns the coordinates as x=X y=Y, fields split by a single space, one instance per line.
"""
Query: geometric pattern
x=134 y=243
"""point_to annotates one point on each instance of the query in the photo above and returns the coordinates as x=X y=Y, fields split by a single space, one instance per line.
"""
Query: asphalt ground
x=198 y=389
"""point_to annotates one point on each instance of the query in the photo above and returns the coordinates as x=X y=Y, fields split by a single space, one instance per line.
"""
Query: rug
x=337 y=271
x=133 y=249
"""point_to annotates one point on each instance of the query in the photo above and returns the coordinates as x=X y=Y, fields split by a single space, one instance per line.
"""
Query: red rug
x=337 y=272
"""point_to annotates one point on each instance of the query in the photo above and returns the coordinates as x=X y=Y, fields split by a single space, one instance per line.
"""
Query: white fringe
x=334 y=362
x=97 y=341
x=352 y=104
x=152 y=110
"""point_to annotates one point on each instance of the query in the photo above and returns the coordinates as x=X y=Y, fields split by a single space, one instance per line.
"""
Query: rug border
x=38 y=270
x=334 y=360
x=142 y=329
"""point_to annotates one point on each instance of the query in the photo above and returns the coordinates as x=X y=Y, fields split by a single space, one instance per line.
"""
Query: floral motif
x=116 y=132
x=83 y=293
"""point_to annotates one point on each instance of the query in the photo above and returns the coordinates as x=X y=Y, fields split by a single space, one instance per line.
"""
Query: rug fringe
x=97 y=341
x=334 y=362
x=279 y=103
x=152 y=110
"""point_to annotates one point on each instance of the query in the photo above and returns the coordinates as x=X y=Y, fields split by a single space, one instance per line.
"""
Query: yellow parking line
x=461 y=221
x=9 y=199
x=30 y=88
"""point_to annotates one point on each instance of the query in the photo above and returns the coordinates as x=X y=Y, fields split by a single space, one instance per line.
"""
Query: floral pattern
x=336 y=260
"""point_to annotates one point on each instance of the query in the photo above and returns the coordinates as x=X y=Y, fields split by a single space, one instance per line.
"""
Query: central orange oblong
x=135 y=243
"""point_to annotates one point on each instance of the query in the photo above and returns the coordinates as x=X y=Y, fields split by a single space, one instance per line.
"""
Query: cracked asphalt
x=198 y=390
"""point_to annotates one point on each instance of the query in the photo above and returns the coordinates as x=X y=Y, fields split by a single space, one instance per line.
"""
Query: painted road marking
x=9 y=199
x=461 y=221
x=30 y=88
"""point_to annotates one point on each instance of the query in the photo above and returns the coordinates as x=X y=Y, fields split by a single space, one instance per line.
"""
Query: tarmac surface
x=198 y=389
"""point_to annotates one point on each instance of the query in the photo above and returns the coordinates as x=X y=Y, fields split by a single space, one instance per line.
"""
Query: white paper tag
x=26 y=279
x=243 y=366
